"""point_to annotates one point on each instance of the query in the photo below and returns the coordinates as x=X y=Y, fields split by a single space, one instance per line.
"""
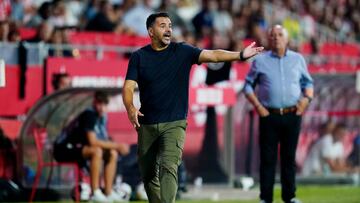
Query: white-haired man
x=285 y=90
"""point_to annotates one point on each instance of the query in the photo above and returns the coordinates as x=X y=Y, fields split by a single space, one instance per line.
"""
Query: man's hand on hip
x=262 y=111
x=301 y=106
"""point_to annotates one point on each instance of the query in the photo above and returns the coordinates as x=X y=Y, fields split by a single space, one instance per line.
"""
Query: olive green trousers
x=160 y=149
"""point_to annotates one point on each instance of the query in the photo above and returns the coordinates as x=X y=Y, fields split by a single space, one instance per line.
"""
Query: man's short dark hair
x=56 y=77
x=151 y=19
x=101 y=97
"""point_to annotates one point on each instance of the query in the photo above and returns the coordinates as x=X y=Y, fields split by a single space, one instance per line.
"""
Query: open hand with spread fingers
x=251 y=51
x=133 y=114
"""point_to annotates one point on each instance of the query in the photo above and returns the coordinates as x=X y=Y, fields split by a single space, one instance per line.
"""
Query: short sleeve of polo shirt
x=132 y=71
x=194 y=53
x=88 y=121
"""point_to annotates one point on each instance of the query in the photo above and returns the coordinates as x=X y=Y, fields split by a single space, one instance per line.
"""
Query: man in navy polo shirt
x=161 y=70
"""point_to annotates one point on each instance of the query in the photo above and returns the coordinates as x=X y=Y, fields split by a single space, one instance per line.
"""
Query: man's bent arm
x=260 y=109
x=251 y=97
x=128 y=94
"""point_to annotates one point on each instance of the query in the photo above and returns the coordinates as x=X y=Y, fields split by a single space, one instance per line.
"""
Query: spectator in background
x=60 y=81
x=327 y=128
x=43 y=14
x=17 y=11
x=285 y=91
x=179 y=24
x=308 y=23
x=58 y=14
x=327 y=155
x=204 y=21
x=257 y=24
x=14 y=36
x=43 y=33
x=314 y=57
x=135 y=18
x=223 y=21
x=4 y=30
x=7 y=156
x=14 y=33
x=58 y=40
x=91 y=9
x=354 y=157
x=5 y=9
x=240 y=25
x=86 y=138
x=75 y=9
x=293 y=26
x=102 y=21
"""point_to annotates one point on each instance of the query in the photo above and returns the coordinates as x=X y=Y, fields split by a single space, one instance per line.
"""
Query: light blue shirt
x=280 y=81
x=100 y=127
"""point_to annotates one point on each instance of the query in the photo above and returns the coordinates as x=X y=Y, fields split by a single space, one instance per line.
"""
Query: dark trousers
x=278 y=129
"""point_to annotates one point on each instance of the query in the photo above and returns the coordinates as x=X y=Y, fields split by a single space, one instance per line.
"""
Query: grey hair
x=284 y=30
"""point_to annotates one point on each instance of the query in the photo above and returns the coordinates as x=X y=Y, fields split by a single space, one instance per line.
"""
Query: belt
x=282 y=111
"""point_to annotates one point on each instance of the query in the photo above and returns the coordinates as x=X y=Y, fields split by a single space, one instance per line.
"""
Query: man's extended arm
x=220 y=55
x=128 y=96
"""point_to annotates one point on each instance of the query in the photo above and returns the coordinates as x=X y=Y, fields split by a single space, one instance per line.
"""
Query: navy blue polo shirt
x=89 y=120
x=163 y=80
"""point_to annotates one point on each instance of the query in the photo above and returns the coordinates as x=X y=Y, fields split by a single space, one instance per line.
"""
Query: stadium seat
x=41 y=138
x=305 y=48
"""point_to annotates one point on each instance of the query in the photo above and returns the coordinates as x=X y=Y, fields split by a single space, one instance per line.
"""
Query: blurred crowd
x=193 y=20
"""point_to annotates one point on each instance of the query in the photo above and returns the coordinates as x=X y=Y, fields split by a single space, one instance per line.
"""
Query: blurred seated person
x=327 y=128
x=103 y=21
x=7 y=156
x=354 y=157
x=43 y=33
x=61 y=81
x=327 y=155
x=4 y=30
x=86 y=139
x=14 y=36
x=58 y=42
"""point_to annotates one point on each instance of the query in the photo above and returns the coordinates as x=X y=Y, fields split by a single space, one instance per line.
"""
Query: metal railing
x=37 y=52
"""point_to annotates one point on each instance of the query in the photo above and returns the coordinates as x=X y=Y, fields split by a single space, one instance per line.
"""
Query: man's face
x=65 y=82
x=161 y=30
x=278 y=38
x=101 y=108
x=339 y=134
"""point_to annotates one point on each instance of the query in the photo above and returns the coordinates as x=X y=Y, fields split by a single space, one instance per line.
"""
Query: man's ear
x=151 y=31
